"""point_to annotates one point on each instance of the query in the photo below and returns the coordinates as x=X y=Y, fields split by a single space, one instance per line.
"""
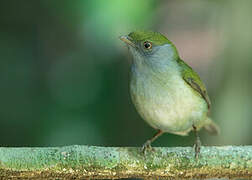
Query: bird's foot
x=147 y=147
x=197 y=147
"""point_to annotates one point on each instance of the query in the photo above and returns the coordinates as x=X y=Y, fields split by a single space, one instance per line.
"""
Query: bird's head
x=151 y=48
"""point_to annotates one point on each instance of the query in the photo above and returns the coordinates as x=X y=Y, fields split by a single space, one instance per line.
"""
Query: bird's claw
x=197 y=147
x=147 y=147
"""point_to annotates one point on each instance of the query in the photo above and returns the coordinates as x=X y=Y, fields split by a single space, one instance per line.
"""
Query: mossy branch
x=121 y=162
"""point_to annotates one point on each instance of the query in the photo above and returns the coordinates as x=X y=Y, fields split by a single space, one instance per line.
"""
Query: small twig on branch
x=122 y=162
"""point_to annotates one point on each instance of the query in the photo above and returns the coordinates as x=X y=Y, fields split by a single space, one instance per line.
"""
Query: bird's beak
x=127 y=40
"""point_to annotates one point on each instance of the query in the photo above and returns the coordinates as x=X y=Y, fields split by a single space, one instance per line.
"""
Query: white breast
x=169 y=105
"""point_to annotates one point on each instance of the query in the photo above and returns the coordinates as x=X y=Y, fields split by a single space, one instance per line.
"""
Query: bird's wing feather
x=193 y=79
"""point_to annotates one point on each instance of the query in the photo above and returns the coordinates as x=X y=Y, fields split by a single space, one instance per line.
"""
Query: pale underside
x=167 y=103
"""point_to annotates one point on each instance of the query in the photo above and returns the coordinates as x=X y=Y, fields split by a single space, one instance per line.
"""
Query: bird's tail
x=212 y=127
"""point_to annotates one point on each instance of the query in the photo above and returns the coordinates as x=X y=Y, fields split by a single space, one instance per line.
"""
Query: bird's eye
x=147 y=45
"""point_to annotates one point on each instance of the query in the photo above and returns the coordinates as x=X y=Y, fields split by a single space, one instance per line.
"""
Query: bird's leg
x=147 y=144
x=197 y=142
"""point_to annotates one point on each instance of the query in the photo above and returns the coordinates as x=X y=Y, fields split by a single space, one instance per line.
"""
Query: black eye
x=147 y=45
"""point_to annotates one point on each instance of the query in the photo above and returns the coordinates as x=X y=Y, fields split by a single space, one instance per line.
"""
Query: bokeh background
x=64 y=73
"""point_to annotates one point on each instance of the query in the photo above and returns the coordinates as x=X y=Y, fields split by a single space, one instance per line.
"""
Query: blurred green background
x=64 y=73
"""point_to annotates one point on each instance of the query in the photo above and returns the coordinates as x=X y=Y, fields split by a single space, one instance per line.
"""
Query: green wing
x=193 y=79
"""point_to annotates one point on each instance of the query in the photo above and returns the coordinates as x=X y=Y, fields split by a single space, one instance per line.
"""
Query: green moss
x=101 y=162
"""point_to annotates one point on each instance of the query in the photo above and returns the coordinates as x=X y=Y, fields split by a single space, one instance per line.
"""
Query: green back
x=193 y=79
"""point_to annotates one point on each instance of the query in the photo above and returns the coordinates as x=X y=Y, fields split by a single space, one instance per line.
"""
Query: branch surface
x=76 y=161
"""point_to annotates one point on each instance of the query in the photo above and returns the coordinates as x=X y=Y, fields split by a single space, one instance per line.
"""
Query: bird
x=167 y=93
